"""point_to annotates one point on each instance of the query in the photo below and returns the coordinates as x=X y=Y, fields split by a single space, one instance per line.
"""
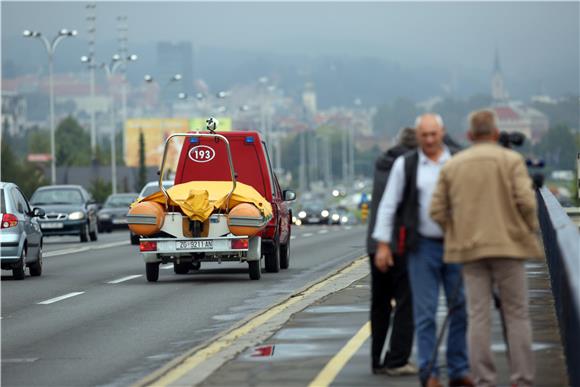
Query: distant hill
x=338 y=80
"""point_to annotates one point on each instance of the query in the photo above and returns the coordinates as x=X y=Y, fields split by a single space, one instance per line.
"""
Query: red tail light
x=148 y=246
x=240 y=244
x=9 y=220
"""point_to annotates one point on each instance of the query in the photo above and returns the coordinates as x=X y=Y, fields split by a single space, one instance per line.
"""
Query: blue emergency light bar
x=249 y=140
x=193 y=140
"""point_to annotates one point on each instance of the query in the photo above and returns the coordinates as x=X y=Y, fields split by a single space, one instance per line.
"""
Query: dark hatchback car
x=69 y=210
x=114 y=211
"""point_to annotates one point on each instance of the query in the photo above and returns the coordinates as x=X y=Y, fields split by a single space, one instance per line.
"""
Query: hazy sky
x=535 y=39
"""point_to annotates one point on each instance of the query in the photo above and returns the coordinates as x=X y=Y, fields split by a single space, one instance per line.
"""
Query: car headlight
x=302 y=214
x=335 y=217
x=104 y=216
x=77 y=215
x=298 y=222
x=324 y=213
x=344 y=219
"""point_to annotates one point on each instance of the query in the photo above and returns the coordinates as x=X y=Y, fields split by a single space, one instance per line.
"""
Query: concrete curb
x=198 y=363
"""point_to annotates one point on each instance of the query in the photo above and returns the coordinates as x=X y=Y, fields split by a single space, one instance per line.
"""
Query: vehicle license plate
x=120 y=221
x=314 y=220
x=51 y=225
x=192 y=245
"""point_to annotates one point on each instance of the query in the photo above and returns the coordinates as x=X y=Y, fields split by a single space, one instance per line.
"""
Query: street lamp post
x=50 y=46
x=175 y=78
x=90 y=61
x=200 y=105
x=110 y=69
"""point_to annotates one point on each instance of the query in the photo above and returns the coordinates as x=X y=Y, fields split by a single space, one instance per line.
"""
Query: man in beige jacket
x=485 y=202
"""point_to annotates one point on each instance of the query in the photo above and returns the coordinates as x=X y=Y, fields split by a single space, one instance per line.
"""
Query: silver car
x=20 y=236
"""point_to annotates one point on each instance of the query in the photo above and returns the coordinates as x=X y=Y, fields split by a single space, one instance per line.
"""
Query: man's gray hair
x=437 y=118
x=482 y=123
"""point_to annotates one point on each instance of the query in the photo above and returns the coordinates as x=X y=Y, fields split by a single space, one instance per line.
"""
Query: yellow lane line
x=230 y=338
x=337 y=363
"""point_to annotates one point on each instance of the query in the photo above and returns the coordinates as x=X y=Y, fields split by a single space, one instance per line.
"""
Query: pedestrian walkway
x=328 y=344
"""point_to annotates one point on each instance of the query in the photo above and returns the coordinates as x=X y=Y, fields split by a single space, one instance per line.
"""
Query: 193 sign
x=201 y=154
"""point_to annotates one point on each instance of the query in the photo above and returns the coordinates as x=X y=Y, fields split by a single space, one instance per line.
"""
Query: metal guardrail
x=562 y=246
x=574 y=214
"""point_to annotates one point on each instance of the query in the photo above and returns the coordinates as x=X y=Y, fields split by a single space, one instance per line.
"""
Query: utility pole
x=302 y=167
x=327 y=160
x=91 y=32
x=345 y=157
x=122 y=29
x=351 y=156
x=50 y=46
x=313 y=158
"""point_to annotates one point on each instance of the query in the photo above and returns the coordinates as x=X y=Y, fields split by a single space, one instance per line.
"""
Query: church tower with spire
x=498 y=91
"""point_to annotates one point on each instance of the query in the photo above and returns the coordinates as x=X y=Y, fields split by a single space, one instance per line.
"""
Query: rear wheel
x=255 y=269
x=181 y=268
x=285 y=255
x=85 y=233
x=195 y=265
x=152 y=271
x=36 y=268
x=273 y=258
x=18 y=272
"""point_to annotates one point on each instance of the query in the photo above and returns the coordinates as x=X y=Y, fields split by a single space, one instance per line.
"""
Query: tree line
x=73 y=148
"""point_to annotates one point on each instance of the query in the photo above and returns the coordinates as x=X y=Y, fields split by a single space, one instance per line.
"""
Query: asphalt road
x=93 y=319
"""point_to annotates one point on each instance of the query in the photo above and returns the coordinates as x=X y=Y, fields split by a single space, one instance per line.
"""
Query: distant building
x=498 y=90
x=309 y=99
x=174 y=58
x=512 y=115
x=14 y=109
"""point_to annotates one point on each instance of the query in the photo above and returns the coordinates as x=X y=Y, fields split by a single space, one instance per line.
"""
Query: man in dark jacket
x=392 y=284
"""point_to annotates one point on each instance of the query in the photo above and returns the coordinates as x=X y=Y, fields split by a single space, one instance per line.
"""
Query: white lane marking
x=167 y=267
x=20 y=360
x=84 y=248
x=308 y=234
x=292 y=236
x=347 y=227
x=323 y=231
x=64 y=297
x=128 y=278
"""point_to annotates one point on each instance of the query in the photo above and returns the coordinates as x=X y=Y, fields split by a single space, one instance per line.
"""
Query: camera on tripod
x=511 y=139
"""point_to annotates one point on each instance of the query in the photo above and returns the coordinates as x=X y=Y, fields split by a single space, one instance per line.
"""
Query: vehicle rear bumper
x=113 y=223
x=10 y=246
x=10 y=251
x=69 y=227
x=167 y=250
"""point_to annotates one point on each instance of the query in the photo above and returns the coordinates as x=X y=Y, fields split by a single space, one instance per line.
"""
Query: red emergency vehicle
x=205 y=158
x=225 y=156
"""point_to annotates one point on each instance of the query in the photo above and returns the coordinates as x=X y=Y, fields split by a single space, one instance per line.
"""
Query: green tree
x=73 y=144
x=100 y=189
x=142 y=177
x=564 y=112
x=38 y=141
x=558 y=148
x=27 y=176
x=105 y=151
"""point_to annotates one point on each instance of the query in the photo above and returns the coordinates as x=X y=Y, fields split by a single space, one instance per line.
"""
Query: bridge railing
x=562 y=246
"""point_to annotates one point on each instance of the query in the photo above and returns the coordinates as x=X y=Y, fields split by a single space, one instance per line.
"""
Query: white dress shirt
x=427 y=175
